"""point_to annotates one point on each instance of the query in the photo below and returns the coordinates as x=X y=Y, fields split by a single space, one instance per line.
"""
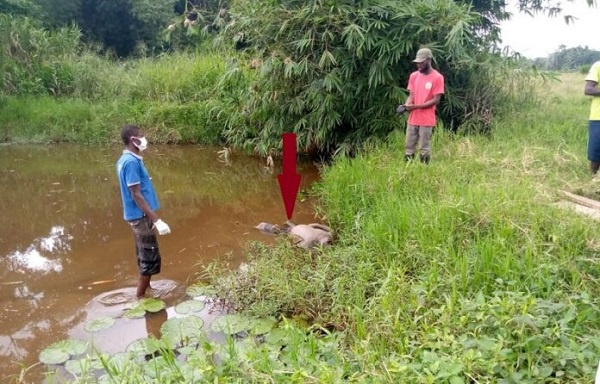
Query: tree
x=334 y=71
x=19 y=7
x=572 y=58
x=58 y=13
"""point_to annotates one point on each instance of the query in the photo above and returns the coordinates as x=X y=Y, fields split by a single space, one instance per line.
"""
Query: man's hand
x=162 y=227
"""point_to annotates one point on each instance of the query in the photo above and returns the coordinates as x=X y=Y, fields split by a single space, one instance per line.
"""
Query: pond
x=64 y=244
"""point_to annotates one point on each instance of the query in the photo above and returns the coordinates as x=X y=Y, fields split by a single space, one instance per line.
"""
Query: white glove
x=162 y=227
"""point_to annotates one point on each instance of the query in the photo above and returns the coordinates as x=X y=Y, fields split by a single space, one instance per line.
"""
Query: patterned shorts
x=146 y=246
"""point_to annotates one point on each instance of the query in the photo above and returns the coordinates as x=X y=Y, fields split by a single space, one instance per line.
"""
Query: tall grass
x=461 y=271
x=178 y=99
x=56 y=89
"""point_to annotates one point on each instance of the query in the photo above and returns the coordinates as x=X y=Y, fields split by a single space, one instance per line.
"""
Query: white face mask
x=142 y=145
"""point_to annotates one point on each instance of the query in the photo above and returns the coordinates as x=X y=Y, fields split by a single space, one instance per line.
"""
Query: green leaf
x=545 y=371
x=76 y=347
x=200 y=289
x=261 y=326
x=153 y=305
x=139 y=309
x=189 y=306
x=77 y=367
x=182 y=331
x=278 y=336
x=53 y=356
x=118 y=361
x=99 y=324
x=59 y=352
x=143 y=347
x=231 y=324
x=135 y=312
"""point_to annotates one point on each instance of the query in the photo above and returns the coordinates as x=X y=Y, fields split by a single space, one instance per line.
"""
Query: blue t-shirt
x=131 y=171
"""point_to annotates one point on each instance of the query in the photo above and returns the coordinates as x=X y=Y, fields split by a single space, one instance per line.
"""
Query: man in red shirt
x=426 y=86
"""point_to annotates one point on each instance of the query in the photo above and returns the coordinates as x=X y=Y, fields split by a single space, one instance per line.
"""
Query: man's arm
x=591 y=88
x=136 y=193
x=427 y=104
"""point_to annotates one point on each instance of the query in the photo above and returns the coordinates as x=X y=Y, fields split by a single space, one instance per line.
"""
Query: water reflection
x=23 y=292
x=32 y=260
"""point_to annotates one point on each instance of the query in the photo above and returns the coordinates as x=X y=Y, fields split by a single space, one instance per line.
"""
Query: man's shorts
x=594 y=141
x=146 y=246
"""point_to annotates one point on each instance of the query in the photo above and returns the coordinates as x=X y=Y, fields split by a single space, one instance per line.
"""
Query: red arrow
x=289 y=180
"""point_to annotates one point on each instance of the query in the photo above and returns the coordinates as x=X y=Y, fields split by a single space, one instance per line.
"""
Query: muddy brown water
x=64 y=244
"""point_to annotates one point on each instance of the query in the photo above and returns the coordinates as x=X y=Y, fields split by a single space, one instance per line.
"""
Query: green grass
x=177 y=99
x=462 y=271
x=458 y=271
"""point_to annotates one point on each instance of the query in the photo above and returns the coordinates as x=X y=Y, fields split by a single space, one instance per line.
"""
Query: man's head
x=133 y=138
x=423 y=60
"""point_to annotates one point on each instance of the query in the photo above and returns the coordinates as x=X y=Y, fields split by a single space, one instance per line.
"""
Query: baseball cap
x=422 y=55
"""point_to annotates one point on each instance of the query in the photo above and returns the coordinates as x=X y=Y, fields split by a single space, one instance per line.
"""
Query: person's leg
x=593 y=149
x=148 y=255
x=143 y=284
x=410 y=145
x=425 y=134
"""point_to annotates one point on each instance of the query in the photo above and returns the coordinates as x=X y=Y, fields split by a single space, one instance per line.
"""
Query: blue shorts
x=594 y=141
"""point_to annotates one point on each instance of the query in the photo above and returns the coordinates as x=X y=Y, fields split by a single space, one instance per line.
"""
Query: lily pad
x=53 y=356
x=187 y=350
x=61 y=351
x=231 y=324
x=153 y=305
x=76 y=347
x=140 y=308
x=143 y=347
x=184 y=331
x=262 y=326
x=78 y=367
x=189 y=306
x=135 y=313
x=153 y=367
x=99 y=324
x=278 y=336
x=118 y=361
x=200 y=289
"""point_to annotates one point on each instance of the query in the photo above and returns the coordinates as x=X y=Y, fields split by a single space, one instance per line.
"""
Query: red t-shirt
x=423 y=87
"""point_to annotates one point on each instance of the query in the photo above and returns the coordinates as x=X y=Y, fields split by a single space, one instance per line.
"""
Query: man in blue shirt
x=140 y=205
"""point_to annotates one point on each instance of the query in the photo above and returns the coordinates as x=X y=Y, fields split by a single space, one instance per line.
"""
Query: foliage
x=59 y=13
x=98 y=324
x=196 y=23
x=32 y=58
x=128 y=26
x=142 y=306
x=460 y=271
x=176 y=97
x=60 y=351
x=568 y=59
x=19 y=7
x=333 y=73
